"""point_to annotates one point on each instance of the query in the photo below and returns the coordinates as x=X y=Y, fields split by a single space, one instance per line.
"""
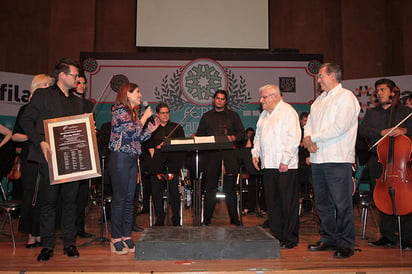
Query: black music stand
x=190 y=144
x=100 y=239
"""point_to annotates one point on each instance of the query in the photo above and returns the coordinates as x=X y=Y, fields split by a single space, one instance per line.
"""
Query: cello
x=393 y=190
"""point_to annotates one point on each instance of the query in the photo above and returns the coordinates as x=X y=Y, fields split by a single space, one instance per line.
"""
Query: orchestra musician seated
x=164 y=167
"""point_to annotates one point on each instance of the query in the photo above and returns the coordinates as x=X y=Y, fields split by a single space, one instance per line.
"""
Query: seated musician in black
x=376 y=124
x=164 y=167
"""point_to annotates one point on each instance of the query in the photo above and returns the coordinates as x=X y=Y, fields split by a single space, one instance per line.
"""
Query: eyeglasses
x=74 y=75
x=266 y=96
x=164 y=112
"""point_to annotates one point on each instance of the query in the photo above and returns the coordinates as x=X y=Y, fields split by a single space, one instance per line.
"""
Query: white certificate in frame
x=73 y=142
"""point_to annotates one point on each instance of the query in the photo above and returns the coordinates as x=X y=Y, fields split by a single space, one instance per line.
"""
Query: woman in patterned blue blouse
x=127 y=133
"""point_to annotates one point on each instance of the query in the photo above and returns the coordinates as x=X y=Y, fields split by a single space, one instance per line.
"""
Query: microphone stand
x=103 y=219
x=101 y=95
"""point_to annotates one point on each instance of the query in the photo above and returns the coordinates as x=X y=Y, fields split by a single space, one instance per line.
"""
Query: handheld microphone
x=150 y=119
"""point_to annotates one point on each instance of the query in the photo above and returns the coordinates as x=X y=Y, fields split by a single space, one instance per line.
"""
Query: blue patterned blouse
x=126 y=135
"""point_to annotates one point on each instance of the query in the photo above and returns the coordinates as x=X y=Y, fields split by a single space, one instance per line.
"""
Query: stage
x=95 y=257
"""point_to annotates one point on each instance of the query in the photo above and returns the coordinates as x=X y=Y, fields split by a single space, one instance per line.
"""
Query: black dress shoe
x=206 y=222
x=343 y=252
x=71 y=251
x=320 y=246
x=235 y=222
x=382 y=242
x=176 y=223
x=136 y=228
x=84 y=234
x=33 y=245
x=45 y=254
x=287 y=245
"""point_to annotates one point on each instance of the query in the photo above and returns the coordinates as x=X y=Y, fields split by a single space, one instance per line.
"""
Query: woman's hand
x=153 y=126
x=146 y=115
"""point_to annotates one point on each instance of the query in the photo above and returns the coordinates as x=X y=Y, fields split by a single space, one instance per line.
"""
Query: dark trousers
x=48 y=196
x=82 y=199
x=165 y=163
x=213 y=168
x=123 y=172
x=388 y=223
x=158 y=189
x=30 y=211
x=332 y=185
x=282 y=203
x=389 y=227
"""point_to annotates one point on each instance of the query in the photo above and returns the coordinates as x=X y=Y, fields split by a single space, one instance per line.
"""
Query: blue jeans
x=332 y=184
x=123 y=172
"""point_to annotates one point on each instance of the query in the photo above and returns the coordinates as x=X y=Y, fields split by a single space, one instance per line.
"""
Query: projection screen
x=238 y=24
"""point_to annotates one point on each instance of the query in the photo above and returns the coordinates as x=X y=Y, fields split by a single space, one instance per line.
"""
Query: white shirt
x=332 y=125
x=277 y=137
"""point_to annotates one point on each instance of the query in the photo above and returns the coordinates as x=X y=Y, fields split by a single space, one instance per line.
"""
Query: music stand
x=100 y=239
x=190 y=144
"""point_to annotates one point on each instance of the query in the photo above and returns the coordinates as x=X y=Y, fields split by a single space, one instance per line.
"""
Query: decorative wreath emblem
x=197 y=82
x=238 y=95
x=169 y=91
x=313 y=67
x=90 y=65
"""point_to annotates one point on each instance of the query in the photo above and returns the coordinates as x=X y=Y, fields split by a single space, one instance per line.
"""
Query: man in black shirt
x=47 y=103
x=221 y=121
x=376 y=124
x=164 y=167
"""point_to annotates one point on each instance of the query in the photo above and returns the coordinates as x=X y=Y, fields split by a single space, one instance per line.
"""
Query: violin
x=393 y=190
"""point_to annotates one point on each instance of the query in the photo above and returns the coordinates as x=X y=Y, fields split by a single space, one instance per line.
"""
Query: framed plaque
x=73 y=142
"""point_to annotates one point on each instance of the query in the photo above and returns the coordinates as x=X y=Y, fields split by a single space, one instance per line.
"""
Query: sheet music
x=204 y=139
x=182 y=141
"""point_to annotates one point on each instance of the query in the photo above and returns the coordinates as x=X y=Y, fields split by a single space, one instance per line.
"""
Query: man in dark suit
x=47 y=103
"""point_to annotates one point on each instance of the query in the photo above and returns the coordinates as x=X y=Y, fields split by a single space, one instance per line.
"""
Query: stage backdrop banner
x=186 y=83
x=364 y=89
x=14 y=92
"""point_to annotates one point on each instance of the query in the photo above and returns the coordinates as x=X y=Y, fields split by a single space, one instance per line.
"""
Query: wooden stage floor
x=96 y=257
